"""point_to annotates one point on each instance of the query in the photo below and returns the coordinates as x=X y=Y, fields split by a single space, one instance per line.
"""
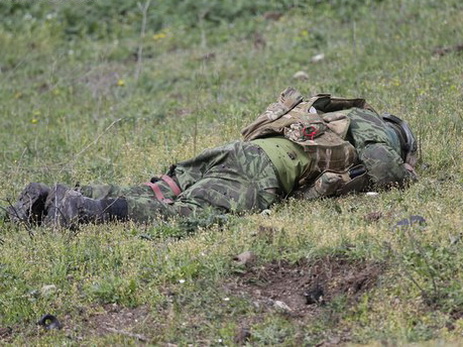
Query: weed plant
x=90 y=94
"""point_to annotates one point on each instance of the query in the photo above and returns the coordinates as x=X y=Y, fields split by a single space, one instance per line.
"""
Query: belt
x=157 y=190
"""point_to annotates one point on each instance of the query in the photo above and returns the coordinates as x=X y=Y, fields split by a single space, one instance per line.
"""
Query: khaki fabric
x=319 y=131
x=289 y=159
x=336 y=134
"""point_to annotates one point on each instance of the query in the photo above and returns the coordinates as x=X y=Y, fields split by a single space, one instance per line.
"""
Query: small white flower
x=226 y=299
x=181 y=281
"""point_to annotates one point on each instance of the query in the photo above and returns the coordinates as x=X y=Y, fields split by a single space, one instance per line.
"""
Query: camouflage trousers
x=233 y=178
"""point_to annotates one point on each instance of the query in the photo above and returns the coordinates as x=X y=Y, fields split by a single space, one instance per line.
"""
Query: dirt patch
x=441 y=51
x=108 y=319
x=119 y=320
x=5 y=333
x=300 y=289
x=95 y=321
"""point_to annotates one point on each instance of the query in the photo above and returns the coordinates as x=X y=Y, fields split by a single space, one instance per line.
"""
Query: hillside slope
x=116 y=94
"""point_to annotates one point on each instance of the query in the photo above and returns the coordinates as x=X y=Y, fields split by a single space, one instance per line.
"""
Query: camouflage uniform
x=234 y=178
x=337 y=135
x=350 y=146
x=378 y=149
x=240 y=177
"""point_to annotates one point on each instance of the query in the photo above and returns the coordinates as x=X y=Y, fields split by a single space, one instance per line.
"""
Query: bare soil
x=120 y=320
x=299 y=290
x=302 y=287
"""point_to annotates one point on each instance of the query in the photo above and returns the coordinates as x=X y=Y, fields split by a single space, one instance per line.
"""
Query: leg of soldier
x=67 y=207
x=101 y=203
x=111 y=191
x=30 y=206
x=234 y=178
x=237 y=177
x=142 y=204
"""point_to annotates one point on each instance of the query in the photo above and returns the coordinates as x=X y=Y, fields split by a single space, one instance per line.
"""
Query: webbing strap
x=158 y=193
x=157 y=190
x=171 y=183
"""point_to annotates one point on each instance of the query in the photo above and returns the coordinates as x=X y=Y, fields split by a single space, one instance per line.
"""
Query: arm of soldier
x=385 y=167
x=335 y=183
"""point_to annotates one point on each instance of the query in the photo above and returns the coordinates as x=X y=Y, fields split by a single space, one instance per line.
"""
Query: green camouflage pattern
x=322 y=139
x=336 y=133
x=378 y=149
x=234 y=178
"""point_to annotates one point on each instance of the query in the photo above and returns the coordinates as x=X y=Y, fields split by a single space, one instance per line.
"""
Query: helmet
x=409 y=145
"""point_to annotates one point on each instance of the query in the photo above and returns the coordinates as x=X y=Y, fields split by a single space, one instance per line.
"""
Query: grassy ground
x=85 y=108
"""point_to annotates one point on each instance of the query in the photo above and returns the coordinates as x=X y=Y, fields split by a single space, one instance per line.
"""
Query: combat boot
x=68 y=208
x=30 y=207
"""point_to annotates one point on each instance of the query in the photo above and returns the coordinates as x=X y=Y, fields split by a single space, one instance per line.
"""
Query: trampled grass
x=75 y=109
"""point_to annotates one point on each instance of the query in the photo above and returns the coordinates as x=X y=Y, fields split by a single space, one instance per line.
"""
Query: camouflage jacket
x=347 y=141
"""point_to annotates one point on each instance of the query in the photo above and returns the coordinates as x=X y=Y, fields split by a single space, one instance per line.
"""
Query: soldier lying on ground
x=314 y=148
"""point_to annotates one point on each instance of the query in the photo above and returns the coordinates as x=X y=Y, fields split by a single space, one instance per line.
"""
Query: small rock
x=317 y=58
x=281 y=305
x=48 y=290
x=266 y=213
x=34 y=293
x=301 y=75
x=245 y=258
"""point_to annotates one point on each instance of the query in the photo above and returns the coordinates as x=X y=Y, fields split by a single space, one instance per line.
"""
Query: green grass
x=73 y=110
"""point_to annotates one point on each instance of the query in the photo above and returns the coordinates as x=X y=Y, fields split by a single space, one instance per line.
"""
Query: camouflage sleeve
x=384 y=165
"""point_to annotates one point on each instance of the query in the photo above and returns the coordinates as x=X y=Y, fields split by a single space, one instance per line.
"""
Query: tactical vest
x=316 y=124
